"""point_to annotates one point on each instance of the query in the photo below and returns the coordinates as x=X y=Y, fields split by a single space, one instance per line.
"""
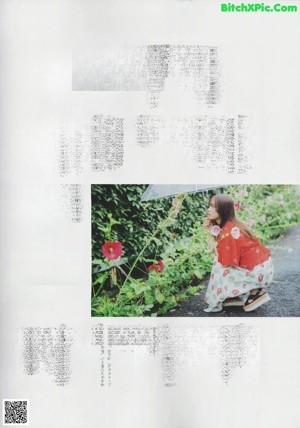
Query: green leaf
x=171 y=299
x=149 y=298
x=97 y=262
x=148 y=307
x=159 y=296
x=157 y=241
x=198 y=274
x=101 y=279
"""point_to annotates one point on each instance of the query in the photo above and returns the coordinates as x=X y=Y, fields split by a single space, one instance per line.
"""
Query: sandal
x=254 y=301
x=234 y=301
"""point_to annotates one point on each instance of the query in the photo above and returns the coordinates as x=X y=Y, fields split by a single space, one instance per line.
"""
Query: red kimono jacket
x=235 y=248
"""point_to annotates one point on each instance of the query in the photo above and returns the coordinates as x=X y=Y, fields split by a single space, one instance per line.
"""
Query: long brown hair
x=225 y=208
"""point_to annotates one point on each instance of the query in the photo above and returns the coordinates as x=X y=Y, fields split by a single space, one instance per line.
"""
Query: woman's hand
x=207 y=223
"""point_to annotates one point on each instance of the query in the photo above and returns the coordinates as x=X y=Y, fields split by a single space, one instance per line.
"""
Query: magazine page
x=150 y=223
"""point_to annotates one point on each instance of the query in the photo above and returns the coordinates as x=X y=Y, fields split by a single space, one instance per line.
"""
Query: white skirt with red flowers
x=228 y=282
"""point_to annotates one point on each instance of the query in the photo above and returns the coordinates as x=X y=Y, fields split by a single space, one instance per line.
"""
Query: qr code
x=15 y=412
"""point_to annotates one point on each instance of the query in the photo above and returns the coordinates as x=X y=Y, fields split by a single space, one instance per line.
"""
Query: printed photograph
x=195 y=250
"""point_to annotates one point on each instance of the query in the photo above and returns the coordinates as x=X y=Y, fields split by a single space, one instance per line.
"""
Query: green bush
x=137 y=220
x=268 y=209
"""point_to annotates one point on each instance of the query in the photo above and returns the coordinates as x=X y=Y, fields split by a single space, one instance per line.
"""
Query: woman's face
x=212 y=212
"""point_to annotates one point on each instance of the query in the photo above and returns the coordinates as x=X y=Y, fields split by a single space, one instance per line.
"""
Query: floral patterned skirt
x=229 y=282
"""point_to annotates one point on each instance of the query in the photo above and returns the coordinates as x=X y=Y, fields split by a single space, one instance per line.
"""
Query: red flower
x=260 y=278
x=247 y=273
x=235 y=292
x=212 y=287
x=212 y=276
x=219 y=291
x=158 y=267
x=244 y=285
x=112 y=250
x=238 y=206
x=225 y=273
x=266 y=283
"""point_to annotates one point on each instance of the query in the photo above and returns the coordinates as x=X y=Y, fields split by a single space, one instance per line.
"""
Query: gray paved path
x=284 y=290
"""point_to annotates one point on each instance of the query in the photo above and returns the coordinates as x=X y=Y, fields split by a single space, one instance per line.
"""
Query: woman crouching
x=242 y=267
